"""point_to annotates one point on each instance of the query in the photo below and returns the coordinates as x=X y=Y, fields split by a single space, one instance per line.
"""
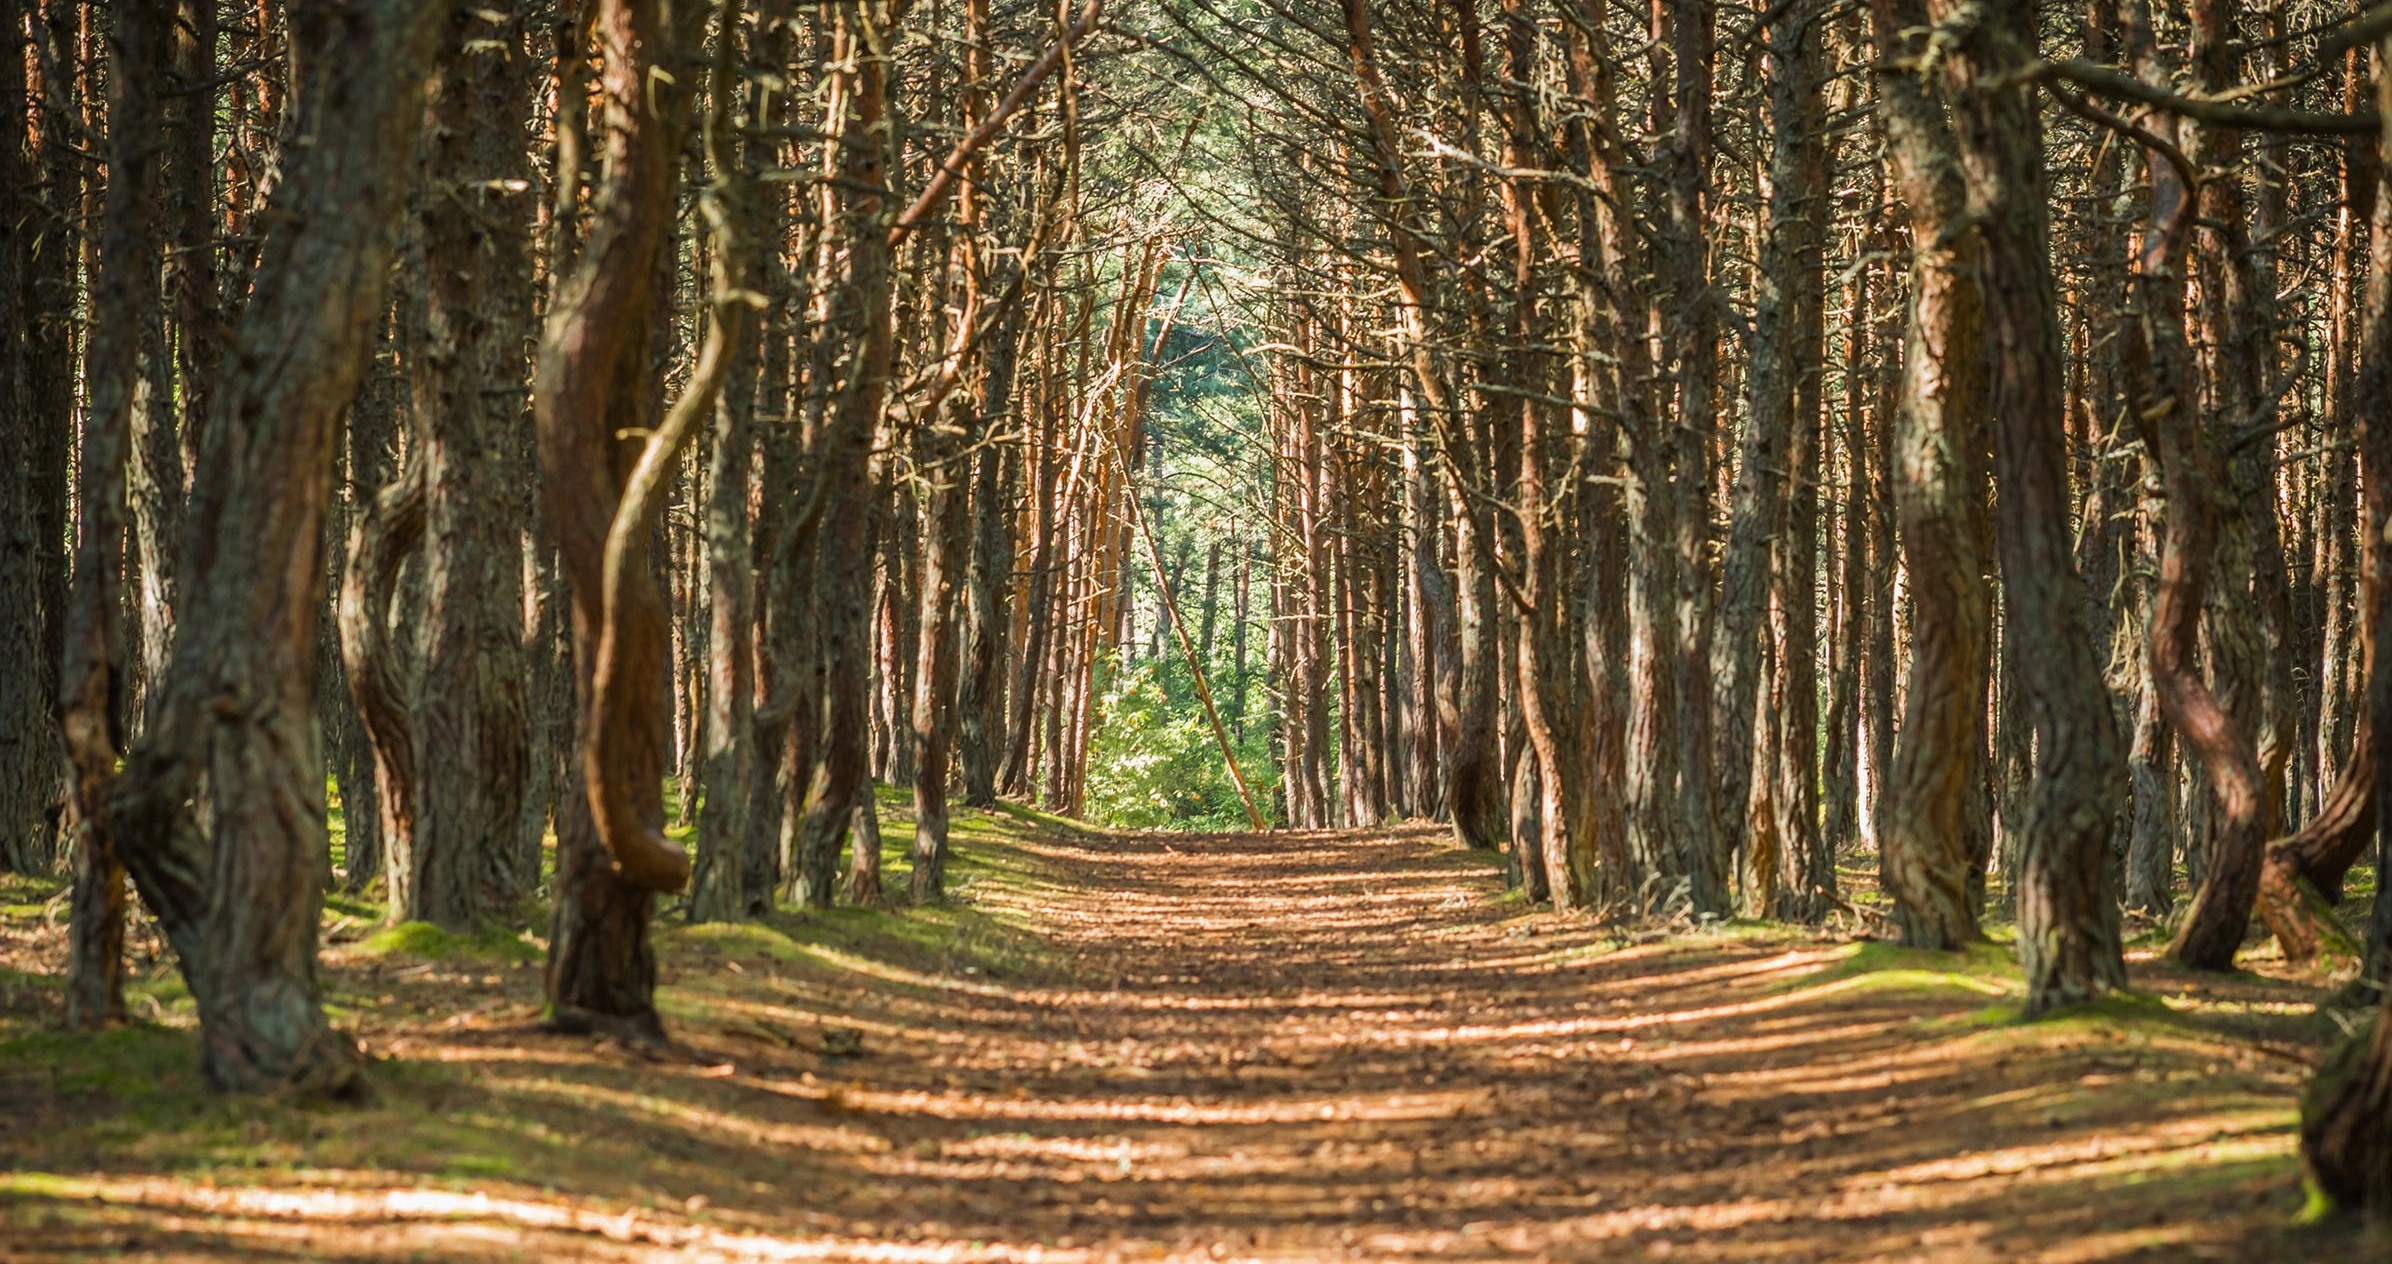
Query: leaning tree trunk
x=238 y=893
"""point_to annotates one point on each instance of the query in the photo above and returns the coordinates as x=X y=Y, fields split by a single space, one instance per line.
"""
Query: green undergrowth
x=133 y=1101
x=2169 y=1007
x=978 y=931
x=26 y=896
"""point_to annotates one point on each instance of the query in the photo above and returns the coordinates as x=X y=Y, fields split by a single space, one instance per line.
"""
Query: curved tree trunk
x=591 y=389
x=2300 y=878
x=238 y=895
x=2197 y=498
x=381 y=677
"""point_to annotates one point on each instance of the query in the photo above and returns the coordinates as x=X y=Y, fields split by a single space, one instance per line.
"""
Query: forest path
x=1283 y=1046
x=1343 y=1045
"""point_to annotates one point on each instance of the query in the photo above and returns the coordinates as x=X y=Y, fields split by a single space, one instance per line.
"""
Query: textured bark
x=988 y=579
x=35 y=381
x=1474 y=770
x=93 y=678
x=859 y=316
x=734 y=872
x=729 y=767
x=1550 y=666
x=382 y=669
x=238 y=894
x=471 y=723
x=944 y=545
x=2300 y=877
x=1794 y=255
x=2197 y=499
x=1839 y=779
x=1608 y=365
x=2346 y=1114
x=367 y=469
x=1690 y=328
x=2067 y=912
x=2151 y=839
x=591 y=390
x=1939 y=497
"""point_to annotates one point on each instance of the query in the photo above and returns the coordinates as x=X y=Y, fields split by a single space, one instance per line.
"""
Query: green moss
x=26 y=897
x=356 y=905
x=143 y=1068
x=423 y=939
x=1986 y=969
x=2317 y=1206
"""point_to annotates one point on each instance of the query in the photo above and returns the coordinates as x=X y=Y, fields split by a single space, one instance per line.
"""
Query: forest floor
x=1300 y=1045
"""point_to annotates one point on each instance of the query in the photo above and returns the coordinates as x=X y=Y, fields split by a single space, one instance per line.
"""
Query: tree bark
x=591 y=392
x=2067 y=912
x=382 y=670
x=472 y=727
x=93 y=680
x=238 y=895
x=860 y=314
x=2346 y=1114
x=1939 y=496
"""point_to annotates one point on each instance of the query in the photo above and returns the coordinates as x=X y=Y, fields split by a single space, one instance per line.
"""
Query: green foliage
x=1153 y=762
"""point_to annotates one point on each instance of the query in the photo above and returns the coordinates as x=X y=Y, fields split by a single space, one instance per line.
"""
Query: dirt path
x=1292 y=1046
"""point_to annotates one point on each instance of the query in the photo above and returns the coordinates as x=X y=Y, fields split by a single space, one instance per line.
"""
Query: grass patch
x=423 y=939
x=29 y=895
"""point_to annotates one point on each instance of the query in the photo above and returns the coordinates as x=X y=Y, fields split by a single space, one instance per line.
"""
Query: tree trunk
x=239 y=900
x=1690 y=324
x=2346 y=1114
x=472 y=729
x=943 y=545
x=2067 y=912
x=1939 y=496
x=592 y=394
x=381 y=670
x=988 y=583
x=860 y=313
x=93 y=676
x=28 y=746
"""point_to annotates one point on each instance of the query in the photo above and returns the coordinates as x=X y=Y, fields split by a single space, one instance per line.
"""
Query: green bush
x=1153 y=762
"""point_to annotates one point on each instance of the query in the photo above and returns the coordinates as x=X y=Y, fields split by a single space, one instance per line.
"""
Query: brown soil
x=1294 y=1046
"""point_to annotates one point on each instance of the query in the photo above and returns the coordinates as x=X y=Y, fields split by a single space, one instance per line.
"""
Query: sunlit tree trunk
x=2067 y=912
x=1938 y=473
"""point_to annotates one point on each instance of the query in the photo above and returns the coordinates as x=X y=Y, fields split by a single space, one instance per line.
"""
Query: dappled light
x=1208 y=1046
x=1086 y=631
